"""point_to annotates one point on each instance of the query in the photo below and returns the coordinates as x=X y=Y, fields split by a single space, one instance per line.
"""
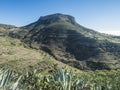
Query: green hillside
x=18 y=56
x=63 y=38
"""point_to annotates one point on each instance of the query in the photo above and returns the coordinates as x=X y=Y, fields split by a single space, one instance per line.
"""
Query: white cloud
x=113 y=32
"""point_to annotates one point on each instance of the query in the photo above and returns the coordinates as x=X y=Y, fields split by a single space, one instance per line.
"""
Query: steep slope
x=21 y=58
x=67 y=41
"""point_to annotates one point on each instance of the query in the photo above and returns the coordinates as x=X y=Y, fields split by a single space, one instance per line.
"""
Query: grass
x=18 y=56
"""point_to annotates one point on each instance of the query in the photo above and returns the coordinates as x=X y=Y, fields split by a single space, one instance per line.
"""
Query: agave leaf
x=5 y=76
x=8 y=77
x=16 y=84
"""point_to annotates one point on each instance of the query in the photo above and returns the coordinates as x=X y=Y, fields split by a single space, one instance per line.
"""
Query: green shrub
x=61 y=80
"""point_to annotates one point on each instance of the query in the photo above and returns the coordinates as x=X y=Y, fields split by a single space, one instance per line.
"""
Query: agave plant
x=63 y=79
x=6 y=82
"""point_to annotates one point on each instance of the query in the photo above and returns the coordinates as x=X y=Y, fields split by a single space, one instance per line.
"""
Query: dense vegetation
x=61 y=80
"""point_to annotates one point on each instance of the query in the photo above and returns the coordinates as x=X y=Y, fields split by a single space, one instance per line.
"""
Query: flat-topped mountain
x=56 y=18
x=62 y=37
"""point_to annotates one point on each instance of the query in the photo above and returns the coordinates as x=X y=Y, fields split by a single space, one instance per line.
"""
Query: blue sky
x=100 y=15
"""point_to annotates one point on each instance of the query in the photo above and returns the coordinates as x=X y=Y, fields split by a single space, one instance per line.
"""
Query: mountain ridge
x=63 y=38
